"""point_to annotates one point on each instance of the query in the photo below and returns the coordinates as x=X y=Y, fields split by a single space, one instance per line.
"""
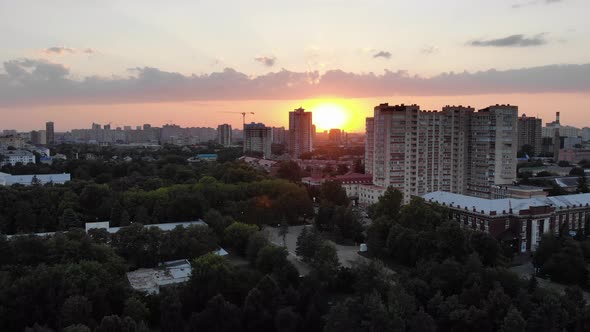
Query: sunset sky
x=141 y=61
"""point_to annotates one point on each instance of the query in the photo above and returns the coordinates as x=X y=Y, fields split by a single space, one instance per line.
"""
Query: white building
x=167 y=273
x=27 y=180
x=14 y=157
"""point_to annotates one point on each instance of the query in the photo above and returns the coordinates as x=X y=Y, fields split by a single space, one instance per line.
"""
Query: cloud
x=511 y=41
x=382 y=54
x=429 y=50
x=59 y=50
x=535 y=2
x=268 y=61
x=28 y=82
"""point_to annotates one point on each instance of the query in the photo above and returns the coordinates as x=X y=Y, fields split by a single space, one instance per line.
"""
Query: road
x=526 y=270
x=347 y=255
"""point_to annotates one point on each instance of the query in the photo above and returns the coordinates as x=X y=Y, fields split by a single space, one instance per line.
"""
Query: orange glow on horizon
x=329 y=113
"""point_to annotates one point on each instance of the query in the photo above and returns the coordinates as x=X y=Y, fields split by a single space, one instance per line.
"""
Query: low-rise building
x=351 y=182
x=517 y=191
x=167 y=273
x=13 y=141
x=14 y=157
x=518 y=222
x=27 y=180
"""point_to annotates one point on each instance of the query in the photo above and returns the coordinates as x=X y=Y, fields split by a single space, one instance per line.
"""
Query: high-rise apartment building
x=279 y=135
x=493 y=141
x=300 y=132
x=529 y=133
x=224 y=135
x=418 y=152
x=50 y=133
x=35 y=137
x=258 y=138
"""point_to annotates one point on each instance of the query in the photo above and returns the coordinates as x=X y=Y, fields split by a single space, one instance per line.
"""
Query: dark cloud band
x=38 y=82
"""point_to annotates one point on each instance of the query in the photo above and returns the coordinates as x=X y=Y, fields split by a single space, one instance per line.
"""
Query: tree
x=76 y=310
x=218 y=316
x=116 y=212
x=358 y=166
x=77 y=328
x=331 y=192
x=256 y=242
x=283 y=230
x=217 y=221
x=287 y=320
x=35 y=181
x=528 y=150
x=290 y=170
x=422 y=322
x=125 y=219
x=325 y=262
x=577 y=171
x=271 y=257
x=583 y=184
x=70 y=219
x=359 y=314
x=308 y=243
x=141 y=216
x=236 y=236
x=136 y=309
x=389 y=204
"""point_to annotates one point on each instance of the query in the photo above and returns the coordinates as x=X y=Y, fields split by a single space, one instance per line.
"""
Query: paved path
x=526 y=270
x=347 y=255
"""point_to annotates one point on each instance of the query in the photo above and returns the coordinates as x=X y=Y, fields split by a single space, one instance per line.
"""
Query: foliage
x=236 y=236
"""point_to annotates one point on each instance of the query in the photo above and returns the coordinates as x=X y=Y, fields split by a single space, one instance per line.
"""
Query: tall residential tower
x=300 y=132
x=455 y=150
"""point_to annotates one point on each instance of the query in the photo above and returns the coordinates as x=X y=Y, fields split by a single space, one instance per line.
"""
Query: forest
x=422 y=272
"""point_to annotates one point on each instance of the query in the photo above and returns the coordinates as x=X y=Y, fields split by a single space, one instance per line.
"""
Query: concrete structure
x=529 y=133
x=517 y=191
x=27 y=180
x=518 y=222
x=167 y=273
x=164 y=227
x=224 y=135
x=50 y=132
x=258 y=138
x=335 y=136
x=456 y=150
x=12 y=141
x=492 y=149
x=301 y=132
x=259 y=163
x=279 y=135
x=351 y=182
x=14 y=157
x=574 y=155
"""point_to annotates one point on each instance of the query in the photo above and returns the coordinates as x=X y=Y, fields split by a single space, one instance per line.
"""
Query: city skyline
x=173 y=64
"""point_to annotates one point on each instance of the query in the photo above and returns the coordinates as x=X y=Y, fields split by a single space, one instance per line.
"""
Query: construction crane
x=243 y=117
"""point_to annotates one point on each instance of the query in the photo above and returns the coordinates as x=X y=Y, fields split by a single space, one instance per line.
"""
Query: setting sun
x=328 y=115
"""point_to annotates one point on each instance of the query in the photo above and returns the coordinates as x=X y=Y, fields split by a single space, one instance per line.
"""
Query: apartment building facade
x=258 y=138
x=455 y=150
x=301 y=132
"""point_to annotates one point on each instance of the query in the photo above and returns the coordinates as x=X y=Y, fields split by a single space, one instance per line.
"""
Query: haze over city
x=186 y=62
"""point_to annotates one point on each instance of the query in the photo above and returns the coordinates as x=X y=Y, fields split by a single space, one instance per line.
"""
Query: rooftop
x=503 y=206
x=167 y=273
x=163 y=227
